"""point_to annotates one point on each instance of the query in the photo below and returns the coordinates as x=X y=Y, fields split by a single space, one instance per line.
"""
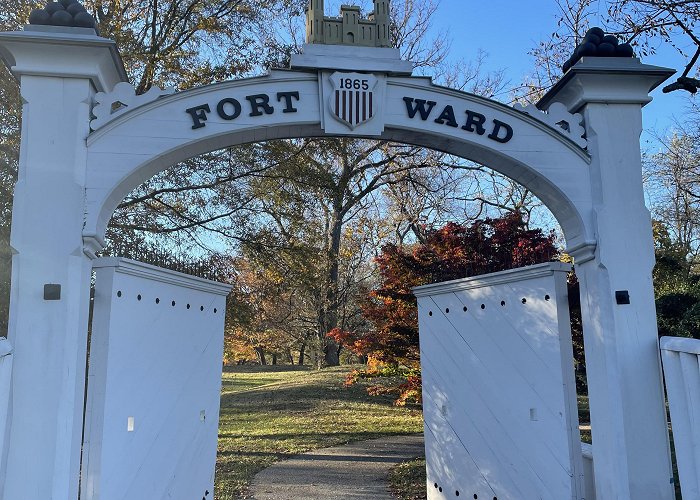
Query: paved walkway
x=357 y=470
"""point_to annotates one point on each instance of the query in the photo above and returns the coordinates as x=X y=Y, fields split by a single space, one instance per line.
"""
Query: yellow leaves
x=565 y=257
x=374 y=364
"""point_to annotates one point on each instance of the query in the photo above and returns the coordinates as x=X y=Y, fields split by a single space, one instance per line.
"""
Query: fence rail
x=681 y=362
x=166 y=260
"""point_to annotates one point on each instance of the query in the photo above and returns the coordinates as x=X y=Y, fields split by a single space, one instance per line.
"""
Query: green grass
x=407 y=480
x=272 y=413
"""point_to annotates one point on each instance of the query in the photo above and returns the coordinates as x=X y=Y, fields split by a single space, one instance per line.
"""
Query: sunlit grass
x=272 y=413
x=407 y=480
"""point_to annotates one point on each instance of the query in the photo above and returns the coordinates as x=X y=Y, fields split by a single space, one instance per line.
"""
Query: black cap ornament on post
x=597 y=44
x=66 y=13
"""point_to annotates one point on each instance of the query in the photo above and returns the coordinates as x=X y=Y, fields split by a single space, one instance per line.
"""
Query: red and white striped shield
x=353 y=101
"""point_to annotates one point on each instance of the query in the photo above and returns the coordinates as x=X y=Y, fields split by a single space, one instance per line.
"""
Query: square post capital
x=63 y=53
x=607 y=80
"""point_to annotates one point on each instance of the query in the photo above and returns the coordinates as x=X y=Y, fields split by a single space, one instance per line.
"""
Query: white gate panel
x=681 y=361
x=499 y=394
x=154 y=384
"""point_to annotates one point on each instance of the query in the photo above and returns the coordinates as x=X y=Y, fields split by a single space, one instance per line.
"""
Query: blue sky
x=507 y=29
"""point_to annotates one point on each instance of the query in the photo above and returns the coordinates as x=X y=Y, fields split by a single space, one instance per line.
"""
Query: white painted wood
x=680 y=344
x=60 y=53
x=160 y=134
x=70 y=181
x=498 y=386
x=588 y=471
x=621 y=340
x=154 y=384
x=59 y=74
x=681 y=362
x=349 y=58
x=5 y=388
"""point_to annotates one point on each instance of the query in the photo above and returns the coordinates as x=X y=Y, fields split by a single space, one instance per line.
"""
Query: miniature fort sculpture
x=350 y=28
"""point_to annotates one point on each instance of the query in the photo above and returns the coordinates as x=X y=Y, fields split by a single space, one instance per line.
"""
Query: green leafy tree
x=677 y=287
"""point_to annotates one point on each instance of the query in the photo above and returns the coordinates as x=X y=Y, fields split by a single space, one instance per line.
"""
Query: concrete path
x=357 y=470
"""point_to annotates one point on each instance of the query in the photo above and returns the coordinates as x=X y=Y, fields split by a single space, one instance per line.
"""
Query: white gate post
x=631 y=453
x=59 y=70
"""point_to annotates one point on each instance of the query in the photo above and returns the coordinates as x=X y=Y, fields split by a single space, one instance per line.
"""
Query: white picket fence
x=681 y=362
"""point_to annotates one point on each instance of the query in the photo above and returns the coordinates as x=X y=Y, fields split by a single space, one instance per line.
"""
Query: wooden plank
x=682 y=374
x=498 y=385
x=154 y=383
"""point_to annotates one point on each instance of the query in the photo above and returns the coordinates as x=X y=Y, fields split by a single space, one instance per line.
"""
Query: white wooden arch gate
x=72 y=178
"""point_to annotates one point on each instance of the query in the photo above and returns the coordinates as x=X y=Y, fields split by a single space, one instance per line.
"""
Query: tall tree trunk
x=274 y=358
x=330 y=347
x=261 y=355
x=301 y=353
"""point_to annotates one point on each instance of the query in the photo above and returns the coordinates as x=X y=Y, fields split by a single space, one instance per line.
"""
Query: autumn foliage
x=452 y=252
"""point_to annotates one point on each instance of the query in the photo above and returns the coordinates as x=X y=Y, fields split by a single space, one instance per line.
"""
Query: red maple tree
x=451 y=252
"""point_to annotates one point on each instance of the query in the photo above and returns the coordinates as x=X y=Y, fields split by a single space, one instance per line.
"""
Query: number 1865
x=354 y=84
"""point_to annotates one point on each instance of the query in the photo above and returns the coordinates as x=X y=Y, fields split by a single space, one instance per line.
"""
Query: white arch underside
x=147 y=140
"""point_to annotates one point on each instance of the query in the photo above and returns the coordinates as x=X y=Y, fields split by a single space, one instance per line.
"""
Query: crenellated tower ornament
x=314 y=21
x=350 y=28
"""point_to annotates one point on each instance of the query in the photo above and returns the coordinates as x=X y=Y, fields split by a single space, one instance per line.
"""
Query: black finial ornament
x=68 y=13
x=597 y=44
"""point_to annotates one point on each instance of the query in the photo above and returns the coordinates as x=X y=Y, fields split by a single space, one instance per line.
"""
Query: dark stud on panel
x=52 y=291
x=622 y=297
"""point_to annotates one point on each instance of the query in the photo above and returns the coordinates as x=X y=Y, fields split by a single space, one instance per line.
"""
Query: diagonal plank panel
x=153 y=384
x=498 y=387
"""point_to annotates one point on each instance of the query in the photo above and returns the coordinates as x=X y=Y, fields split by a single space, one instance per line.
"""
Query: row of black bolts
x=439 y=488
x=138 y=297
x=483 y=306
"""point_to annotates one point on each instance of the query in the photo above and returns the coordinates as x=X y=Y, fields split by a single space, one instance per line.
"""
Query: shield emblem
x=353 y=101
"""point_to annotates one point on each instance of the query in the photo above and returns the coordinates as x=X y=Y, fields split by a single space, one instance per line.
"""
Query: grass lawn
x=407 y=480
x=272 y=413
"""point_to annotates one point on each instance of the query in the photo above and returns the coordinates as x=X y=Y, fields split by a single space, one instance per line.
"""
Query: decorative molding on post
x=349 y=58
x=582 y=252
x=42 y=51
x=569 y=125
x=122 y=98
x=607 y=80
x=92 y=245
